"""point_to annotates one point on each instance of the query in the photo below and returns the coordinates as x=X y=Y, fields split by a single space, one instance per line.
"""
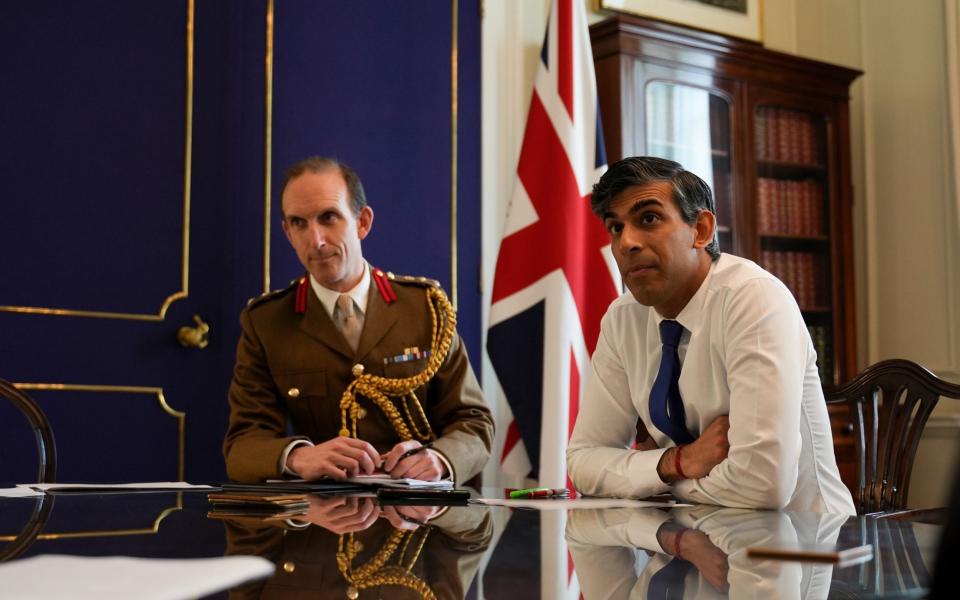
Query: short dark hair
x=690 y=193
x=319 y=164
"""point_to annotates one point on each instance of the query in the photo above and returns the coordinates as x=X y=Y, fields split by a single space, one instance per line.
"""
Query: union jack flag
x=555 y=275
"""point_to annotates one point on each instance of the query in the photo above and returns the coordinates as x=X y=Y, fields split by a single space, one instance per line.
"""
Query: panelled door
x=142 y=147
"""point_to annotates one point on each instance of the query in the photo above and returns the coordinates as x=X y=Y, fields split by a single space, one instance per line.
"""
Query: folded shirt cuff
x=446 y=463
x=643 y=473
x=284 y=470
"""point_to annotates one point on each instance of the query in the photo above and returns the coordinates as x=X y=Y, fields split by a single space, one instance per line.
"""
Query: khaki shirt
x=293 y=368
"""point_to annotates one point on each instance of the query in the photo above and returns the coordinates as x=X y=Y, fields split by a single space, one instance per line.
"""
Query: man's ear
x=704 y=229
x=364 y=222
x=286 y=229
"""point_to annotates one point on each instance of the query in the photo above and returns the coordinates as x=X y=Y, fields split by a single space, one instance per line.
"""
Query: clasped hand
x=697 y=458
x=345 y=514
x=344 y=457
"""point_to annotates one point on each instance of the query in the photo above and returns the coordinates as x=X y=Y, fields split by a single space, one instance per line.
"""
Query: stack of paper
x=265 y=506
x=384 y=480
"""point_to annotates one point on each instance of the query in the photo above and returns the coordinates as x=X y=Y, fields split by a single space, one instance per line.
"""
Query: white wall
x=906 y=222
x=906 y=210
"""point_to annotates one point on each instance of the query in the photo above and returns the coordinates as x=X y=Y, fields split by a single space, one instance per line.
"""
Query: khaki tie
x=350 y=322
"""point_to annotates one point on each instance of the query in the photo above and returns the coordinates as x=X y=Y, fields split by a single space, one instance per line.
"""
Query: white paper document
x=19 y=492
x=384 y=480
x=157 y=486
x=573 y=503
x=375 y=480
x=82 y=577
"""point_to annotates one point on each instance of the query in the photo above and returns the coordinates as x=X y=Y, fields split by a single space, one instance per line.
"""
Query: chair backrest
x=46 y=447
x=889 y=405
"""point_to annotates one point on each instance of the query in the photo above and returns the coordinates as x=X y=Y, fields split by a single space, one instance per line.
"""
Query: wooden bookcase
x=770 y=133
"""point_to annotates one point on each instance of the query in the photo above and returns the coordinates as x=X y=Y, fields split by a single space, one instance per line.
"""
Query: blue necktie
x=668 y=582
x=666 y=405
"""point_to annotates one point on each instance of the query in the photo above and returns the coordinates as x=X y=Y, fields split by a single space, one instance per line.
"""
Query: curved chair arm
x=46 y=447
x=30 y=531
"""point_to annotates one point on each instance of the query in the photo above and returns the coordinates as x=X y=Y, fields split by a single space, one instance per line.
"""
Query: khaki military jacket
x=292 y=369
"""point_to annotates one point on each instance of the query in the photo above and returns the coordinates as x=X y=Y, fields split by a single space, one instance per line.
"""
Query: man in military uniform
x=362 y=375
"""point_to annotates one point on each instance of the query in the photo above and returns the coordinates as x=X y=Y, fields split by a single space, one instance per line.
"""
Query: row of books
x=820 y=335
x=799 y=272
x=786 y=135
x=788 y=206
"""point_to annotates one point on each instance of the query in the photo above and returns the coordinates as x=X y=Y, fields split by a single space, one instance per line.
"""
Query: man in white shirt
x=732 y=411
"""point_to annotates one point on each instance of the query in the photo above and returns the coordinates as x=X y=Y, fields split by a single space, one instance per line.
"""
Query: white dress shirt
x=746 y=353
x=359 y=293
x=608 y=549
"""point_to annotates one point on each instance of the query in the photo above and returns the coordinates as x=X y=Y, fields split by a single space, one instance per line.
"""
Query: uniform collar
x=360 y=293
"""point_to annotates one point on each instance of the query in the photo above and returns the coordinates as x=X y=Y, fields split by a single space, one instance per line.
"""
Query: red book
x=793 y=203
x=806 y=205
x=806 y=140
x=783 y=134
x=793 y=140
x=760 y=133
x=816 y=192
x=793 y=272
x=780 y=223
x=773 y=134
x=764 y=205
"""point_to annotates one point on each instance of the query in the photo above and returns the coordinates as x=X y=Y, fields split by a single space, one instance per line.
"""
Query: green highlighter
x=525 y=493
x=540 y=492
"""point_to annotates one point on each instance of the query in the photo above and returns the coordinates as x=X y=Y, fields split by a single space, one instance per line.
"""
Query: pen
x=406 y=454
x=414 y=451
x=549 y=493
x=523 y=493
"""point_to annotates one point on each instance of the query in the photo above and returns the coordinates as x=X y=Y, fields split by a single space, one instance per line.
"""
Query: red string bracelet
x=676 y=543
x=676 y=463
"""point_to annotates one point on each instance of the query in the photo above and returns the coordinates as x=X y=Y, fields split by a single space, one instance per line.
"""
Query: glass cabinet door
x=691 y=125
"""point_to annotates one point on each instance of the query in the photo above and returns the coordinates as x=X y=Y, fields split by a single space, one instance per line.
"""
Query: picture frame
x=709 y=15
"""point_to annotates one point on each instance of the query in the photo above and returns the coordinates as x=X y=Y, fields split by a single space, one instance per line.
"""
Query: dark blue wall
x=92 y=115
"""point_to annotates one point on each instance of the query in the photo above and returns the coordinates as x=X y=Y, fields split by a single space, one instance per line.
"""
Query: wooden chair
x=889 y=405
x=46 y=447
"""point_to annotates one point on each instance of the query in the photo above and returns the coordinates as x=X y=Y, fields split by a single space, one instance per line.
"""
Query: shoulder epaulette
x=412 y=280
x=272 y=294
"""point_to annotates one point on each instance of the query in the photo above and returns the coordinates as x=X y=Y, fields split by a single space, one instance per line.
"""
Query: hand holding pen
x=409 y=460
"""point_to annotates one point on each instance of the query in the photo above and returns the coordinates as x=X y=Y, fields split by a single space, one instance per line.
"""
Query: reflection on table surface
x=347 y=547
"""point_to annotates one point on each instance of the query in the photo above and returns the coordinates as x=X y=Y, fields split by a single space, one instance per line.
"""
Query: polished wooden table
x=489 y=552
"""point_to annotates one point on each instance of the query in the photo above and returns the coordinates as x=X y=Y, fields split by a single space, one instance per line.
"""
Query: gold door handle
x=194 y=337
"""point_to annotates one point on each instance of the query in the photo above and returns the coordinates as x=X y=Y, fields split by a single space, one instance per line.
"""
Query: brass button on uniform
x=361 y=413
x=293 y=392
x=289 y=567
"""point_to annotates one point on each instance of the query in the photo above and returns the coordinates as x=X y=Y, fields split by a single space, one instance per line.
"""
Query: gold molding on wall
x=185 y=261
x=454 y=107
x=268 y=147
x=97 y=533
x=181 y=417
x=268 y=150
